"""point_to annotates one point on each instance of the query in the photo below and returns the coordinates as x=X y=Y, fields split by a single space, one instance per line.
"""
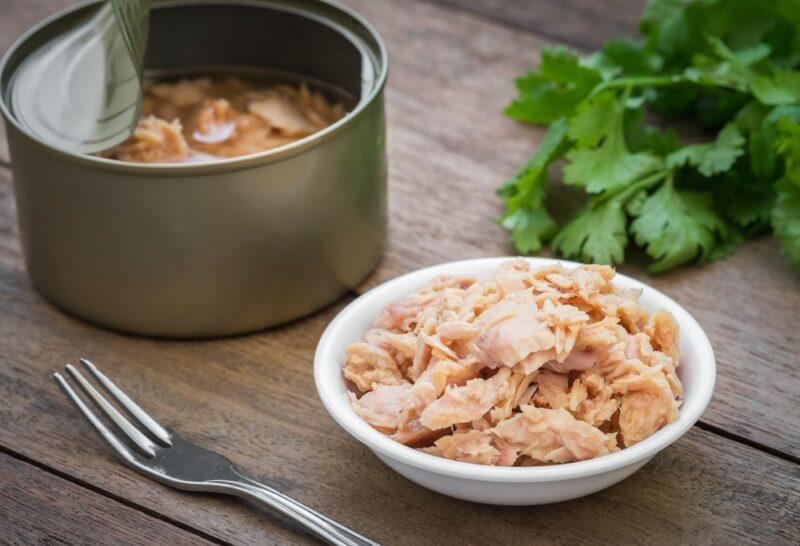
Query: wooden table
x=734 y=478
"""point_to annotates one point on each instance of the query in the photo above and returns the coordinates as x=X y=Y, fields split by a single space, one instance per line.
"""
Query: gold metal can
x=216 y=248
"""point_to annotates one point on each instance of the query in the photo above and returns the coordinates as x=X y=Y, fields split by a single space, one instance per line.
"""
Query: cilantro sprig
x=731 y=68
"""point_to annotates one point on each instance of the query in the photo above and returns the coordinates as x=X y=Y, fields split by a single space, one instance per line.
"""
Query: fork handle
x=322 y=526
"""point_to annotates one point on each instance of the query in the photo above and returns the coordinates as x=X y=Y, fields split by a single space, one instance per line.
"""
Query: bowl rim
x=336 y=405
x=246 y=161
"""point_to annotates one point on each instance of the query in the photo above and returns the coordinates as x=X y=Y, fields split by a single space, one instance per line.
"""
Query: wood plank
x=451 y=76
x=19 y=16
x=581 y=23
x=252 y=398
x=37 y=507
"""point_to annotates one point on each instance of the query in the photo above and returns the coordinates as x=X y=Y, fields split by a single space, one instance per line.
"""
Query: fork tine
x=121 y=449
x=148 y=422
x=140 y=440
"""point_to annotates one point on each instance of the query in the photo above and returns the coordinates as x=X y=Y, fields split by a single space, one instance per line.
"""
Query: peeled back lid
x=81 y=90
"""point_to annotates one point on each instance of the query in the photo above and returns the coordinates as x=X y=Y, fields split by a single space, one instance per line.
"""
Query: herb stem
x=641 y=81
x=629 y=191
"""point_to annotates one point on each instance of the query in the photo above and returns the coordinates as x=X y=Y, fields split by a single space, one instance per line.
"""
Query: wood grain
x=37 y=507
x=252 y=398
x=581 y=23
x=19 y=16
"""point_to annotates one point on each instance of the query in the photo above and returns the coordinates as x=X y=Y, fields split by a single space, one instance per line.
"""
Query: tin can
x=217 y=248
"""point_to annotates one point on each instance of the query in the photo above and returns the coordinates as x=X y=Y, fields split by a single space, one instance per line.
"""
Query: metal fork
x=166 y=457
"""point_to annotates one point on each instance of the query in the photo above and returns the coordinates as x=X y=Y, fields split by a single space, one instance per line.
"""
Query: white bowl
x=506 y=485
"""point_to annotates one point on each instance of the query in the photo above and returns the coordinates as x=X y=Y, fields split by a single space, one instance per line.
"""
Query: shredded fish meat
x=530 y=367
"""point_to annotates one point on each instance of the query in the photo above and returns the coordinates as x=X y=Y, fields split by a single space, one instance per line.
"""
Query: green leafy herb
x=609 y=165
x=555 y=89
x=596 y=233
x=786 y=221
x=676 y=226
x=527 y=219
x=731 y=67
x=712 y=158
x=786 y=214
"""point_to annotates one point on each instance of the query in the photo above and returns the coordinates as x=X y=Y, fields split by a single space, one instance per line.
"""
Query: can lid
x=81 y=90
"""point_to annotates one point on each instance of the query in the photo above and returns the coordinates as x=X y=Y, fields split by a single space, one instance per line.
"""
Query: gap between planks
x=714 y=429
x=501 y=21
x=122 y=500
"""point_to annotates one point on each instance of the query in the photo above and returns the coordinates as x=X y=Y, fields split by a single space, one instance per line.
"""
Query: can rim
x=226 y=164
